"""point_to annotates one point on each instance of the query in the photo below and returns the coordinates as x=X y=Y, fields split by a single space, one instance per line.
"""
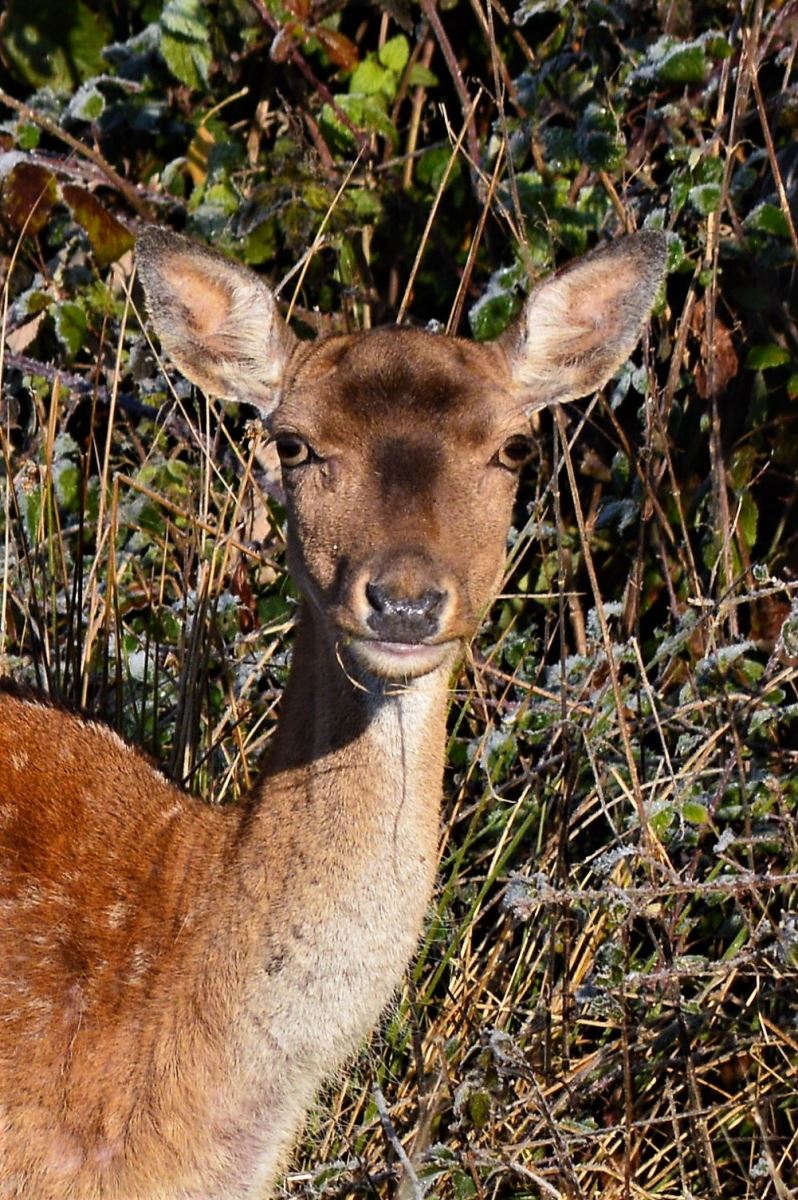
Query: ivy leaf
x=185 y=18
x=695 y=812
x=188 y=61
x=492 y=313
x=621 y=513
x=683 y=65
x=534 y=8
x=365 y=205
x=748 y=521
x=670 y=61
x=28 y=135
x=598 y=142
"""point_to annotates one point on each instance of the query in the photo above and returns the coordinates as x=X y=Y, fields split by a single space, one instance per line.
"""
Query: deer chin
x=401 y=660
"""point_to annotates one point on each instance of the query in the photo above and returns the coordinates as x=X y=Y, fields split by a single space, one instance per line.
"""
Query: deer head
x=400 y=449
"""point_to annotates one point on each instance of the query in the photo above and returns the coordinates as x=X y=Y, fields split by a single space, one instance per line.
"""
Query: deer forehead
x=398 y=388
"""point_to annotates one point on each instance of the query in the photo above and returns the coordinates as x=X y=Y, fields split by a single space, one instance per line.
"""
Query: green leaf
x=365 y=112
x=534 y=8
x=598 y=142
x=705 y=198
x=709 y=170
x=749 y=519
x=33 y=510
x=464 y=1186
x=185 y=18
x=395 y=53
x=768 y=218
x=479 y=1109
x=670 y=61
x=491 y=315
x=684 y=65
x=260 y=244
x=661 y=821
x=28 y=135
x=371 y=79
x=718 y=46
x=760 y=358
x=67 y=487
x=70 y=326
x=695 y=813
x=365 y=205
x=187 y=60
x=750 y=669
x=421 y=76
x=87 y=104
x=185 y=41
x=432 y=167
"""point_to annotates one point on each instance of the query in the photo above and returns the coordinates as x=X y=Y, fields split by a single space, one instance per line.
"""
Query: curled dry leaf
x=109 y=238
x=724 y=357
x=29 y=193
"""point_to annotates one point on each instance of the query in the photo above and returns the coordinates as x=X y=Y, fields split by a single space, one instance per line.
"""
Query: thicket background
x=605 y=1003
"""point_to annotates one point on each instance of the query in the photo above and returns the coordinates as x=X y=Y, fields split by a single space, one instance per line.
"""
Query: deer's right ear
x=218 y=323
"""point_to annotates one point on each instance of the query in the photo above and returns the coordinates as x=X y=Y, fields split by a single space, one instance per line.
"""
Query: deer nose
x=399 y=618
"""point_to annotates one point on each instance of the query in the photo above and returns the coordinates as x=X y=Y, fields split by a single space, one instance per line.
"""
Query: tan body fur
x=176 y=980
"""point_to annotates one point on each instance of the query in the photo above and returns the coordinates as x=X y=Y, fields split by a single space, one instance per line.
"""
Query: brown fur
x=175 y=979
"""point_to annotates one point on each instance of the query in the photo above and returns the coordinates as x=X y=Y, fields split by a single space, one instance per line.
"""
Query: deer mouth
x=402 y=660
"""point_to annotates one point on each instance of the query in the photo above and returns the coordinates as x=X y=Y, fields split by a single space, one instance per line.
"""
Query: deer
x=177 y=979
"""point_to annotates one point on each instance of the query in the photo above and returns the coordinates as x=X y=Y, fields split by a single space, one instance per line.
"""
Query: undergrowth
x=605 y=1001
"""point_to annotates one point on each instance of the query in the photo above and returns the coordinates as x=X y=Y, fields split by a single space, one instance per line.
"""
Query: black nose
x=403 y=618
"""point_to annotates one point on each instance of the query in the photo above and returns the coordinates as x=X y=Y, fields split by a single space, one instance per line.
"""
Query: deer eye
x=515 y=452
x=292 y=451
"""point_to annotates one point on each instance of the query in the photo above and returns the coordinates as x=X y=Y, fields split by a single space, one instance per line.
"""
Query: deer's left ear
x=578 y=327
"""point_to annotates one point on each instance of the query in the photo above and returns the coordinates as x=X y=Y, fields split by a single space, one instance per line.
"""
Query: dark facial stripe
x=407 y=468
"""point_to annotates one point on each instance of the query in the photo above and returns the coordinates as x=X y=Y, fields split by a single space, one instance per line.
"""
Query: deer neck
x=352 y=788
x=336 y=864
x=388 y=733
